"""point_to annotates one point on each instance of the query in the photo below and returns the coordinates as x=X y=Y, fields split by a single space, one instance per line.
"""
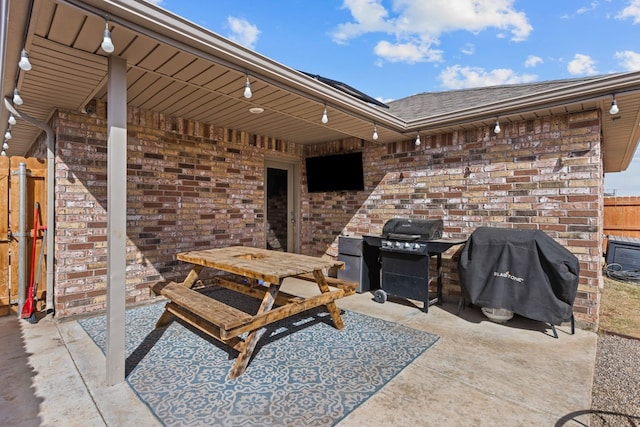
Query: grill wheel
x=380 y=296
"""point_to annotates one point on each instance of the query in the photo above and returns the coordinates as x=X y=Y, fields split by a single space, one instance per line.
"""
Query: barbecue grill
x=406 y=246
x=523 y=271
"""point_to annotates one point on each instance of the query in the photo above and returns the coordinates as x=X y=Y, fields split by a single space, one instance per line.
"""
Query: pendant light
x=247 y=89
x=107 y=44
x=17 y=99
x=325 y=117
x=614 y=107
x=24 y=63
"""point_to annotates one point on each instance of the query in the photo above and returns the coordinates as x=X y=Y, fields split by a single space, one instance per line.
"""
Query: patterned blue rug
x=303 y=371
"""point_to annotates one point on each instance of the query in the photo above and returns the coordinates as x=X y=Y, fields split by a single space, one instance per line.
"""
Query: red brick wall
x=194 y=185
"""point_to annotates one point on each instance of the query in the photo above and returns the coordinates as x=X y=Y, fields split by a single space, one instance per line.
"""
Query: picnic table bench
x=258 y=273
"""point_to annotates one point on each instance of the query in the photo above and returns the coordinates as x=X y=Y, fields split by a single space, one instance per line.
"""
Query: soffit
x=179 y=69
x=70 y=69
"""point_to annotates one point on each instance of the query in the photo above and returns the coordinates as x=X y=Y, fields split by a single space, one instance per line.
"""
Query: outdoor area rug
x=303 y=371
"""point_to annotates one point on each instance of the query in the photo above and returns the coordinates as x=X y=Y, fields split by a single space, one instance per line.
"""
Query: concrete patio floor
x=478 y=374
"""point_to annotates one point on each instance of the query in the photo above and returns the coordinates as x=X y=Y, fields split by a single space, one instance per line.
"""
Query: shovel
x=28 y=309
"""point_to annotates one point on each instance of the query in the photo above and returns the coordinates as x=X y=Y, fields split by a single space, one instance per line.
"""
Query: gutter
x=4 y=13
x=592 y=90
x=51 y=225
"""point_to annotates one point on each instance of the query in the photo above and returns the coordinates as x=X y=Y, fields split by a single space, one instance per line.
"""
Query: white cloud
x=407 y=52
x=369 y=16
x=585 y=9
x=459 y=77
x=243 y=32
x=629 y=60
x=582 y=65
x=632 y=11
x=384 y=100
x=468 y=49
x=415 y=26
x=532 y=61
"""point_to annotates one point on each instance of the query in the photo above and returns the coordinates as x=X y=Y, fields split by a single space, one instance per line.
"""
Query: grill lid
x=412 y=229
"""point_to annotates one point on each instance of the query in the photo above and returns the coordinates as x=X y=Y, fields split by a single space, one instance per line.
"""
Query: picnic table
x=258 y=273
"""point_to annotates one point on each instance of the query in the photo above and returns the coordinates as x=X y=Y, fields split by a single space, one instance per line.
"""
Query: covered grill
x=524 y=271
x=406 y=246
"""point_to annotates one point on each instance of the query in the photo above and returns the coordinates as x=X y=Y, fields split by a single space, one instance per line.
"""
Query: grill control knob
x=416 y=246
x=398 y=244
x=407 y=245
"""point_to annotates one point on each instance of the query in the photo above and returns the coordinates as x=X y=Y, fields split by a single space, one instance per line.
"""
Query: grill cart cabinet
x=361 y=263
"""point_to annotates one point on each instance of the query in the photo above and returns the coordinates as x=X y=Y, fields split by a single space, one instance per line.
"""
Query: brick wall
x=189 y=186
x=194 y=185
x=542 y=174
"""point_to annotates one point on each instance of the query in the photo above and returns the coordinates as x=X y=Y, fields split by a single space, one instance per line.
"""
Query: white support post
x=116 y=218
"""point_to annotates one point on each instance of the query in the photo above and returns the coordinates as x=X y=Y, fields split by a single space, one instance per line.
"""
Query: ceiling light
x=247 y=89
x=7 y=134
x=418 y=142
x=4 y=153
x=497 y=128
x=375 y=133
x=17 y=100
x=12 y=119
x=24 y=63
x=107 y=44
x=5 y=145
x=614 y=107
x=325 y=117
x=256 y=110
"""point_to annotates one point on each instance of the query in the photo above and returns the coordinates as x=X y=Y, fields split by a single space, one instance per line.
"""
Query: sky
x=391 y=49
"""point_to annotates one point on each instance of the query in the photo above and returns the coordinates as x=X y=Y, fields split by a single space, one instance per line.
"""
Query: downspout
x=22 y=235
x=4 y=12
x=51 y=145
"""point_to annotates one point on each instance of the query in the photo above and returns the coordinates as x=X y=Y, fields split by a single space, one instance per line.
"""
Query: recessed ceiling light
x=256 y=110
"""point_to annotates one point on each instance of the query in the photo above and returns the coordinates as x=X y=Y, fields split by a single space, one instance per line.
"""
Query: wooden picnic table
x=258 y=273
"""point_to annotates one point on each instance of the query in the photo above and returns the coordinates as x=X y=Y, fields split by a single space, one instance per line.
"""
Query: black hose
x=615 y=271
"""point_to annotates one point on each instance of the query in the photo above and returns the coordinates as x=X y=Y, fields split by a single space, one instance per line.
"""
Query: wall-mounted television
x=335 y=172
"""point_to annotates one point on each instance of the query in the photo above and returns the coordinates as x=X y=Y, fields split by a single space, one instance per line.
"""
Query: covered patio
x=169 y=84
x=479 y=373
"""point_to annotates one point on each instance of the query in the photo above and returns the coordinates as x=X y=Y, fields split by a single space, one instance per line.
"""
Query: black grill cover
x=524 y=271
x=427 y=229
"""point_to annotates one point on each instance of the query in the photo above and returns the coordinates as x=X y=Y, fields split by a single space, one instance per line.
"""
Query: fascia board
x=592 y=90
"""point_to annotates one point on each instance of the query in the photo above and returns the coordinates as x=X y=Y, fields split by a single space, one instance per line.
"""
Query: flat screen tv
x=336 y=172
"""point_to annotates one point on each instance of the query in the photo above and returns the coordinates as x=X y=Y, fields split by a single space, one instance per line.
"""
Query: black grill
x=524 y=271
x=406 y=246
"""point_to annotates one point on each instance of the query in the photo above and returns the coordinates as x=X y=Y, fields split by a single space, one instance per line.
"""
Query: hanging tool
x=28 y=309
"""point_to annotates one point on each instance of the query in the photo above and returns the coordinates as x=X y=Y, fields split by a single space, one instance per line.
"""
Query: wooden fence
x=10 y=235
x=622 y=216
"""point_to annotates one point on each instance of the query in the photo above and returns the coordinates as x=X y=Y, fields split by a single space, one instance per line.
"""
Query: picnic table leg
x=333 y=309
x=189 y=281
x=252 y=338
